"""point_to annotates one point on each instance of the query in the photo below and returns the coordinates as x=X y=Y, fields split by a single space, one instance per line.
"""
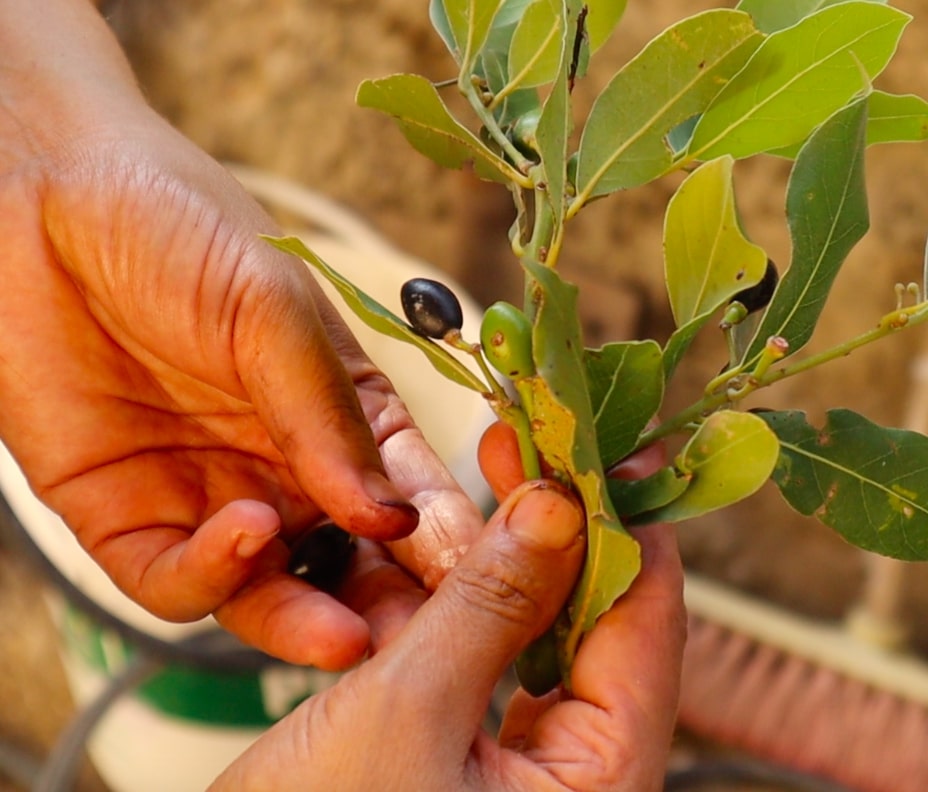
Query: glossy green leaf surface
x=865 y=481
x=626 y=384
x=729 y=457
x=827 y=211
x=798 y=78
x=673 y=78
x=563 y=430
x=375 y=315
x=707 y=259
x=429 y=126
x=779 y=14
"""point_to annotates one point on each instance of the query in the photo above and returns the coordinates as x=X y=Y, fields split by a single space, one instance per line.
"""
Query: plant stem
x=522 y=163
x=545 y=231
x=889 y=324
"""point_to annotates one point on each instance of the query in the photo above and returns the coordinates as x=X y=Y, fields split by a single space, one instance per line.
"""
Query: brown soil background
x=271 y=83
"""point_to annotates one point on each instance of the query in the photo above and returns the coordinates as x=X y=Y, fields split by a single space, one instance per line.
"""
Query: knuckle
x=499 y=590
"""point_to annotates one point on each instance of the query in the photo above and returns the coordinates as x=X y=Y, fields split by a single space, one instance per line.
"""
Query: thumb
x=310 y=405
x=504 y=593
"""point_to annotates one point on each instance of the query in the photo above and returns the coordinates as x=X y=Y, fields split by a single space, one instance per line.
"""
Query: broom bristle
x=799 y=713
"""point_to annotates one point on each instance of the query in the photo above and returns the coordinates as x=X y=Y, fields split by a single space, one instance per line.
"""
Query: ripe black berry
x=321 y=556
x=431 y=307
x=758 y=296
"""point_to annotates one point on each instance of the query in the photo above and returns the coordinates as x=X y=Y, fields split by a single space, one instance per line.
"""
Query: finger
x=521 y=713
x=498 y=455
x=625 y=681
x=234 y=566
x=381 y=592
x=448 y=520
x=504 y=593
x=182 y=575
x=303 y=392
x=505 y=590
x=289 y=619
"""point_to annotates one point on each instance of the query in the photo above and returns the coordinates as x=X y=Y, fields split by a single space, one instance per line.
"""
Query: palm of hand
x=169 y=387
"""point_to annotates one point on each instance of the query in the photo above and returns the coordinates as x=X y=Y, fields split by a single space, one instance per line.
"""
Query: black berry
x=758 y=296
x=321 y=556
x=431 y=307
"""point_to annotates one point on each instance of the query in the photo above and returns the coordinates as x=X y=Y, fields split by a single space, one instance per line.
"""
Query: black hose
x=217 y=651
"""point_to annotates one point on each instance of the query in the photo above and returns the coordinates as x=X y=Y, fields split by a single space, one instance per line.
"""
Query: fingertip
x=182 y=575
x=258 y=524
x=288 y=619
x=498 y=457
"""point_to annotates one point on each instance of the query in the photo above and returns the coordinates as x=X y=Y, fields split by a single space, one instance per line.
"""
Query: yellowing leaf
x=729 y=458
x=707 y=259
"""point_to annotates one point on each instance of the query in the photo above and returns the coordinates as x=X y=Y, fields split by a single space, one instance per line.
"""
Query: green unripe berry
x=506 y=338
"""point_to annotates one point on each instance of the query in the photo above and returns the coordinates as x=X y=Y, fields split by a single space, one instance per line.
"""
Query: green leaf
x=891 y=119
x=896 y=119
x=439 y=19
x=827 y=211
x=493 y=60
x=468 y=24
x=729 y=457
x=535 y=50
x=644 y=496
x=601 y=19
x=797 y=78
x=672 y=79
x=707 y=259
x=430 y=127
x=626 y=385
x=773 y=16
x=494 y=66
x=381 y=319
x=563 y=429
x=865 y=481
x=556 y=123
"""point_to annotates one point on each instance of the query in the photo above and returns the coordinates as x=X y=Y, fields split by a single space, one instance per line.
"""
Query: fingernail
x=547 y=515
x=253 y=540
x=380 y=489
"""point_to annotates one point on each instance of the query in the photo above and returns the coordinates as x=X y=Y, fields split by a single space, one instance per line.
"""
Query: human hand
x=183 y=395
x=410 y=717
